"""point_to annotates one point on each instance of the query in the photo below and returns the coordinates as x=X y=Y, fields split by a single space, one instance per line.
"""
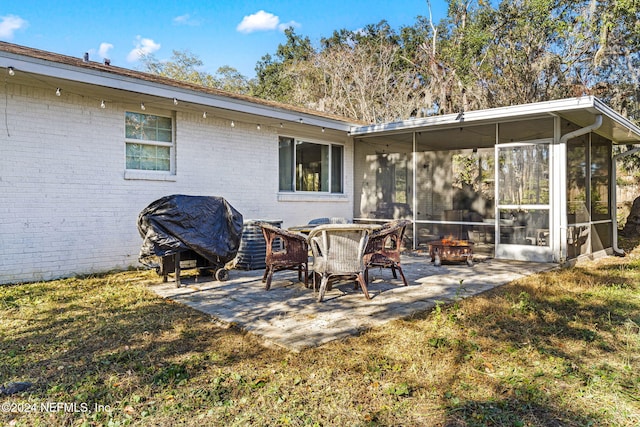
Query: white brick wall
x=66 y=207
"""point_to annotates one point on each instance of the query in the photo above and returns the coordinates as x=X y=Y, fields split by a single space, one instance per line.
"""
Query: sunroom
x=528 y=182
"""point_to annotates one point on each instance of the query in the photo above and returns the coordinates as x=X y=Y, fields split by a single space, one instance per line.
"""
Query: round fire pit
x=451 y=250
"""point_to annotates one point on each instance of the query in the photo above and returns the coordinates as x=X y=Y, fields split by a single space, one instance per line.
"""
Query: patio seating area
x=289 y=315
x=339 y=248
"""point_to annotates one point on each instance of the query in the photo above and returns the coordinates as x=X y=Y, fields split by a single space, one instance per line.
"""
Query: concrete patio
x=288 y=315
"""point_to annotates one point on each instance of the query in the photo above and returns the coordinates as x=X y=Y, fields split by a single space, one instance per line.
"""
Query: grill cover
x=208 y=225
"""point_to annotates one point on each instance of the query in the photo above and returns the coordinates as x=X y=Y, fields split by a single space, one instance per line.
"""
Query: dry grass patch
x=559 y=348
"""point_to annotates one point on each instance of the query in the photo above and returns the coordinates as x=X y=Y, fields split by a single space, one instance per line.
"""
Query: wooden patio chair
x=383 y=248
x=293 y=255
x=337 y=251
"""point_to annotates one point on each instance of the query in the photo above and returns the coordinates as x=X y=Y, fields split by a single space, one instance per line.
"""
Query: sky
x=234 y=33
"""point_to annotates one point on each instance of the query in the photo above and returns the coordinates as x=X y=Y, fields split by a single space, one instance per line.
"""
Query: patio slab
x=288 y=315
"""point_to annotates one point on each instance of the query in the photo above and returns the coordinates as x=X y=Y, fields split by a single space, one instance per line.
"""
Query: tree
x=452 y=55
x=231 y=80
x=184 y=66
x=599 y=42
x=274 y=79
x=365 y=76
x=359 y=82
x=602 y=57
x=525 y=64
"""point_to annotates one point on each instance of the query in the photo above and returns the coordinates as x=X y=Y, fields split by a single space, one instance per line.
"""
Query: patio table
x=306 y=229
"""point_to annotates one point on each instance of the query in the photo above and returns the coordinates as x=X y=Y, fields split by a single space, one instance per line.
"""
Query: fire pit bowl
x=451 y=250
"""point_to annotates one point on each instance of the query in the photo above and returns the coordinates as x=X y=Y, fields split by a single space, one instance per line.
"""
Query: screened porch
x=512 y=188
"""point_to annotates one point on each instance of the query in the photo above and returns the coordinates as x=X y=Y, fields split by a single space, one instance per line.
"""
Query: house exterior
x=85 y=146
x=77 y=169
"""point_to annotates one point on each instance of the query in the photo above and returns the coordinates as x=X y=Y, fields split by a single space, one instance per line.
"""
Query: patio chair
x=337 y=251
x=383 y=248
x=294 y=254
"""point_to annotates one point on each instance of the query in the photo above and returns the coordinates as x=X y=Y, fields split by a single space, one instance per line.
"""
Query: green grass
x=554 y=349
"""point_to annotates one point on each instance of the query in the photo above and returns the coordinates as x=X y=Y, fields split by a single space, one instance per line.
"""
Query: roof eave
x=96 y=76
x=632 y=130
x=586 y=103
x=478 y=116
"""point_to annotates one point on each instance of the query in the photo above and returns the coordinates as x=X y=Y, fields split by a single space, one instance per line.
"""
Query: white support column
x=558 y=208
x=414 y=156
x=496 y=189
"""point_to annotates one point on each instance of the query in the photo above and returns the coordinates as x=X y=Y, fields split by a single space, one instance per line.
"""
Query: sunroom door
x=523 y=197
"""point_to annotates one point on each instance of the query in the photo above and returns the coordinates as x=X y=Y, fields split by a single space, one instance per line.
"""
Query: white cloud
x=143 y=47
x=104 y=49
x=259 y=21
x=186 y=19
x=9 y=24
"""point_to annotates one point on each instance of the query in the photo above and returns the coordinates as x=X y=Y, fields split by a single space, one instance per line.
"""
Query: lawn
x=555 y=349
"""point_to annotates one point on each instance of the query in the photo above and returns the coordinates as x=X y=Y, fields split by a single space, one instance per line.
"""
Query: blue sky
x=235 y=33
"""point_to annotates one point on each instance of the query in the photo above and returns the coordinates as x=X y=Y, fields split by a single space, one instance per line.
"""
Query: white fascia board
x=632 y=129
x=131 y=84
x=585 y=103
x=492 y=114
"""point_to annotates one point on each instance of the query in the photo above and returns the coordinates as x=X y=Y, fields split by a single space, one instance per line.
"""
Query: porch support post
x=558 y=184
x=415 y=191
x=496 y=197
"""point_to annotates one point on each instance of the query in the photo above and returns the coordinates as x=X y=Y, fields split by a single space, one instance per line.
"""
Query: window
x=391 y=177
x=524 y=174
x=310 y=166
x=600 y=171
x=577 y=161
x=149 y=142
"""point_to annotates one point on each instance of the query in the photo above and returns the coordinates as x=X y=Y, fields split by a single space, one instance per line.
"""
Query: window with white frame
x=310 y=166
x=149 y=142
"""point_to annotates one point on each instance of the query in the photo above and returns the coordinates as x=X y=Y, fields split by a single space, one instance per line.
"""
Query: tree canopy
x=479 y=56
x=185 y=66
x=482 y=55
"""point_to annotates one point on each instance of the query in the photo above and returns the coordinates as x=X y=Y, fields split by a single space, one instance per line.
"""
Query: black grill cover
x=208 y=225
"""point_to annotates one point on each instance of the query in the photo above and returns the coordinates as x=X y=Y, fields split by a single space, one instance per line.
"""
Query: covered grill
x=180 y=232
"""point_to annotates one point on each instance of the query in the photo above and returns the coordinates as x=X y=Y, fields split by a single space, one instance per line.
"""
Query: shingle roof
x=126 y=72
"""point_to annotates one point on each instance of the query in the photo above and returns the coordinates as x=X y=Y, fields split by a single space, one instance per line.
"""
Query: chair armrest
x=282 y=232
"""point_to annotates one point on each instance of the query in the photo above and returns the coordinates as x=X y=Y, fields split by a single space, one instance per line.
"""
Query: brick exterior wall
x=67 y=208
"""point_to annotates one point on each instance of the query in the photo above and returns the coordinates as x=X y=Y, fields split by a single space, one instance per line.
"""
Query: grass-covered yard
x=554 y=349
